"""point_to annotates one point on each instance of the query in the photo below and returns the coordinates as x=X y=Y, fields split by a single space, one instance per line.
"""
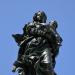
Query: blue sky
x=15 y=13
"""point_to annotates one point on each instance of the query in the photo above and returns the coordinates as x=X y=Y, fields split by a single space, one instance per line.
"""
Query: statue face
x=40 y=17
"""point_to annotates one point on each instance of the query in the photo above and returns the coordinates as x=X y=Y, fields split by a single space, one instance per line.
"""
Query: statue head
x=54 y=24
x=40 y=16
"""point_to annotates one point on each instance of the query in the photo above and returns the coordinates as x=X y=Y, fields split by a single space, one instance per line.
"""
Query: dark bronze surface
x=38 y=47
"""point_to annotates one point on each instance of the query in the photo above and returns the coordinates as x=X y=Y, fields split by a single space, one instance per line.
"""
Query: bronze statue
x=39 y=45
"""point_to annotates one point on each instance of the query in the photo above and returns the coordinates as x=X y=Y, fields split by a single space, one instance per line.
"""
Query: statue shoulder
x=28 y=25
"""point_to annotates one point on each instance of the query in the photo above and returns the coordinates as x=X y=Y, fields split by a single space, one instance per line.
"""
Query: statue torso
x=37 y=43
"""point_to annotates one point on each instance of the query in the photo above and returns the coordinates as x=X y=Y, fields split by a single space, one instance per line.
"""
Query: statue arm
x=20 y=37
x=22 y=46
x=53 y=26
x=57 y=37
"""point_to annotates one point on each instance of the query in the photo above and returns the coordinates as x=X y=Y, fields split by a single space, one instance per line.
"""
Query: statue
x=38 y=47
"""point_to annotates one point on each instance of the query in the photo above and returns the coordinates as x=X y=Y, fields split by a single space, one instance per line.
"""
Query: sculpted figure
x=38 y=47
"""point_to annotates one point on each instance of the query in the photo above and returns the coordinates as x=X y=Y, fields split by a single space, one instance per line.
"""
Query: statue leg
x=44 y=64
